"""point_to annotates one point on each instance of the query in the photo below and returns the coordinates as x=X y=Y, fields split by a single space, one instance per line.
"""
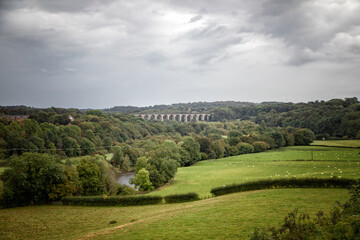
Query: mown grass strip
x=285 y=183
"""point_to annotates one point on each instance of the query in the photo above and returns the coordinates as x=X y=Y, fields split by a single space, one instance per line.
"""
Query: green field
x=231 y=216
x=338 y=143
x=285 y=162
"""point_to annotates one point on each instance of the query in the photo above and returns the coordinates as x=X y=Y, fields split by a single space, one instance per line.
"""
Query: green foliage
x=70 y=187
x=33 y=178
x=112 y=200
x=285 y=183
x=72 y=148
x=131 y=153
x=72 y=131
x=125 y=190
x=126 y=164
x=260 y=146
x=47 y=130
x=87 y=146
x=142 y=181
x=108 y=142
x=178 y=198
x=278 y=139
x=235 y=133
x=141 y=162
x=90 y=177
x=191 y=153
x=94 y=112
x=289 y=139
x=218 y=148
x=163 y=162
x=304 y=137
x=118 y=156
x=244 y=148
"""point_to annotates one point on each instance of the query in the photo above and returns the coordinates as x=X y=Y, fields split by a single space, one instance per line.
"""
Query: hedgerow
x=177 y=198
x=285 y=183
x=111 y=200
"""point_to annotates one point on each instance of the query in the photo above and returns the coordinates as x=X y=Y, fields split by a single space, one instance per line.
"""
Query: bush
x=260 y=146
x=111 y=200
x=125 y=190
x=203 y=156
x=285 y=183
x=177 y=198
x=244 y=148
x=304 y=136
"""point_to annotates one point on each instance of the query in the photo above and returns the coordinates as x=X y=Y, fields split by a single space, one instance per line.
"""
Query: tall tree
x=31 y=178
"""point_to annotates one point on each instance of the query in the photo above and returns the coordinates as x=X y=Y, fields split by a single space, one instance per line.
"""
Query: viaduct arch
x=180 y=117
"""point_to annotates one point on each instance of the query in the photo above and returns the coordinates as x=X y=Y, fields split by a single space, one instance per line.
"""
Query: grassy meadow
x=231 y=216
x=300 y=162
x=338 y=143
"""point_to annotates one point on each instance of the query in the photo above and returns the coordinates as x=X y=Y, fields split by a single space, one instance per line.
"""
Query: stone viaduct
x=180 y=117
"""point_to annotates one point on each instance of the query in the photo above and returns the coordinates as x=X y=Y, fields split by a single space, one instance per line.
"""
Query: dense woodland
x=333 y=118
x=58 y=156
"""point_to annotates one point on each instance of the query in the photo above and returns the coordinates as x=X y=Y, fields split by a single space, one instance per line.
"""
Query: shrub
x=176 y=198
x=125 y=190
x=260 y=146
x=111 y=201
x=203 y=156
x=142 y=181
x=285 y=183
x=244 y=148
x=304 y=136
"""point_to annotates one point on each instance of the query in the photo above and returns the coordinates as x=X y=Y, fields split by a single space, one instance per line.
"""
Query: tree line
x=335 y=118
x=154 y=150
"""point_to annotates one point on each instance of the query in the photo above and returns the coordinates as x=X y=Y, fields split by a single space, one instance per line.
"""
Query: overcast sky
x=104 y=53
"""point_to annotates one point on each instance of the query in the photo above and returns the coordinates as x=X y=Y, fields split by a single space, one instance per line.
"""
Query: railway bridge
x=180 y=117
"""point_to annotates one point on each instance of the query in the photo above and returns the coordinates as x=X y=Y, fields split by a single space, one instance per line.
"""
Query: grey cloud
x=302 y=25
x=69 y=5
x=112 y=49
x=195 y=18
x=305 y=26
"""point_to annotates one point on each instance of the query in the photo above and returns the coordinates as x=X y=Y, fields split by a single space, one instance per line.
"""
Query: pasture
x=231 y=216
x=289 y=162
x=338 y=143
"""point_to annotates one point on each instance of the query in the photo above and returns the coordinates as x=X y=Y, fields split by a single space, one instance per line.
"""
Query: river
x=124 y=178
